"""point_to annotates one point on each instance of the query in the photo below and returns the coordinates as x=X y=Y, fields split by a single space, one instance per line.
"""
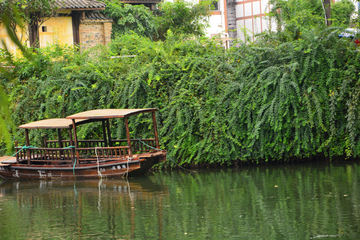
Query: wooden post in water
x=76 y=142
x=27 y=144
x=155 y=130
x=128 y=136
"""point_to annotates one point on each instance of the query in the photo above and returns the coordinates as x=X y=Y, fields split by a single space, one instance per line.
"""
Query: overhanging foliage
x=269 y=100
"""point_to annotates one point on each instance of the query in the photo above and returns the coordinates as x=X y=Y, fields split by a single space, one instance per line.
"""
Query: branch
x=322 y=4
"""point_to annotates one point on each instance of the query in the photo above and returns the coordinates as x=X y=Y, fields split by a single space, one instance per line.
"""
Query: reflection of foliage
x=288 y=202
x=277 y=202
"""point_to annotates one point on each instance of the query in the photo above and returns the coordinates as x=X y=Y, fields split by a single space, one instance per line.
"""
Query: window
x=44 y=29
x=214 y=6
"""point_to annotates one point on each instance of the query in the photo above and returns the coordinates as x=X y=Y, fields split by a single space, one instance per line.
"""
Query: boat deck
x=7 y=160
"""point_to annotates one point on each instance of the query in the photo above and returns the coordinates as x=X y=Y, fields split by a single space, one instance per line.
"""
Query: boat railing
x=87 y=150
x=103 y=153
x=81 y=143
x=44 y=154
x=138 y=145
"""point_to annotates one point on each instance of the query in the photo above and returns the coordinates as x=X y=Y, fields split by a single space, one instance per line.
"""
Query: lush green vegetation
x=341 y=12
x=136 y=18
x=289 y=95
x=180 y=17
x=11 y=22
x=296 y=16
x=267 y=100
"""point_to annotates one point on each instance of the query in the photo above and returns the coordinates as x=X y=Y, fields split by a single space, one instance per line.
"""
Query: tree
x=32 y=13
x=183 y=18
x=136 y=18
x=180 y=17
x=296 y=16
x=6 y=57
x=326 y=4
x=341 y=12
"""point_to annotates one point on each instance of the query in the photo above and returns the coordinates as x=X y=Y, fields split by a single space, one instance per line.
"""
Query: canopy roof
x=50 y=123
x=109 y=113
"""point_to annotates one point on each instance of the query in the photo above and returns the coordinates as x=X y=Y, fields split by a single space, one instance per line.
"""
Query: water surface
x=303 y=201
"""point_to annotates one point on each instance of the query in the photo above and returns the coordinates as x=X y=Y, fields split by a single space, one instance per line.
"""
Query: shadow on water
x=300 y=201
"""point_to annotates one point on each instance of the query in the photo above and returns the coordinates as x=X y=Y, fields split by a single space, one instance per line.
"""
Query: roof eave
x=107 y=116
x=146 y=1
x=82 y=9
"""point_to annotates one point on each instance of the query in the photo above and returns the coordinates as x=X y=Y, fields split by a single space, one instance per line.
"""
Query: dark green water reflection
x=280 y=202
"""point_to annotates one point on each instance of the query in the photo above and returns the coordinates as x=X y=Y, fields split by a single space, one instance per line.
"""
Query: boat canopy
x=110 y=113
x=51 y=123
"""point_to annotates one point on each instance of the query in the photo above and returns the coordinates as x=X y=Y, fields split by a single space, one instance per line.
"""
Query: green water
x=318 y=201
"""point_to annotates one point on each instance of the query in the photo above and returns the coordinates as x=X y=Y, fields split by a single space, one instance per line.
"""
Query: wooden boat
x=74 y=158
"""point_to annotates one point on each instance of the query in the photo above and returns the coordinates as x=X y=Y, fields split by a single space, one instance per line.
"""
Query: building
x=75 y=22
x=234 y=19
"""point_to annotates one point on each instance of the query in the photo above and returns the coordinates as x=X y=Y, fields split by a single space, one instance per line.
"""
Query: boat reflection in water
x=104 y=208
x=137 y=187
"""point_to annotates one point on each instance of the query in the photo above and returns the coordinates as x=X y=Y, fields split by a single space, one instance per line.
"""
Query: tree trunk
x=34 y=31
x=327 y=5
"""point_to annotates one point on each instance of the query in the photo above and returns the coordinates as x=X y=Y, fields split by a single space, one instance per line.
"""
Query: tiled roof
x=79 y=4
x=96 y=16
x=140 y=1
x=73 y=4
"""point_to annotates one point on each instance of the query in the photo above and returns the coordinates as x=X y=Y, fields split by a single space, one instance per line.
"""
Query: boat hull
x=109 y=169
